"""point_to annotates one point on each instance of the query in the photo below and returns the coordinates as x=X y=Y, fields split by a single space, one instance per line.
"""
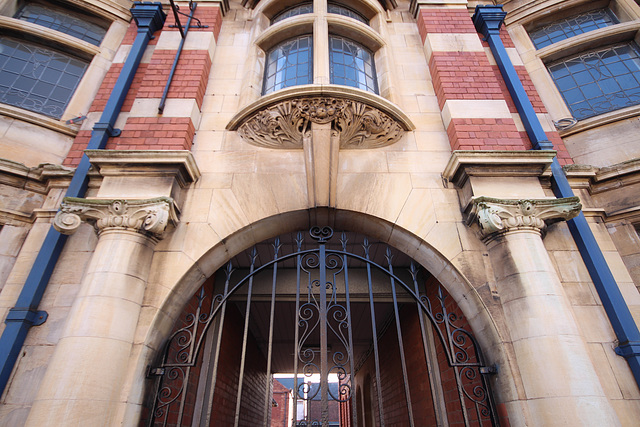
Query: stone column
x=83 y=382
x=560 y=385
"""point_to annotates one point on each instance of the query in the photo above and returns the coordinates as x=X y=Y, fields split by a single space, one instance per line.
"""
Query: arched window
x=289 y=64
x=296 y=10
x=351 y=64
x=343 y=49
x=37 y=78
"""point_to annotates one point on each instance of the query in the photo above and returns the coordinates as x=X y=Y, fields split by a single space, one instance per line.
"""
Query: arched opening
x=354 y=331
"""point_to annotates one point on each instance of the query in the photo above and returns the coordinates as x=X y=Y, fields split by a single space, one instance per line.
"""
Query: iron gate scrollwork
x=323 y=335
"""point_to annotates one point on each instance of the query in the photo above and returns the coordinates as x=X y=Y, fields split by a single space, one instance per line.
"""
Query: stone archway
x=457 y=353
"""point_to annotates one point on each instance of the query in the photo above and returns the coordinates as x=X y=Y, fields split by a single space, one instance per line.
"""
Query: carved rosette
x=284 y=124
x=497 y=216
x=149 y=216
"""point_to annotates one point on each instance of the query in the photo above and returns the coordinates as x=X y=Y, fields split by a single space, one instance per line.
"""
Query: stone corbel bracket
x=281 y=120
x=150 y=216
x=498 y=216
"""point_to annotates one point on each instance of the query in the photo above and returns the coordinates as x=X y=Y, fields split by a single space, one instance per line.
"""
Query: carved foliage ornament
x=501 y=215
x=146 y=216
x=284 y=124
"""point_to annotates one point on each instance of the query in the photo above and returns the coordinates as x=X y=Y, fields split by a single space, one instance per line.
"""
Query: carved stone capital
x=284 y=124
x=498 y=216
x=149 y=216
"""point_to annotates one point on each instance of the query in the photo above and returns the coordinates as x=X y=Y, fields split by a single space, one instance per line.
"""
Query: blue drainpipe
x=487 y=20
x=149 y=17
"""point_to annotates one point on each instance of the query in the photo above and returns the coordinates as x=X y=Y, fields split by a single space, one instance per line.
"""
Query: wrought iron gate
x=322 y=345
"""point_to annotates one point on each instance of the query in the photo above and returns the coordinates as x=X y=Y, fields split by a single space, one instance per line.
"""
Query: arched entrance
x=343 y=330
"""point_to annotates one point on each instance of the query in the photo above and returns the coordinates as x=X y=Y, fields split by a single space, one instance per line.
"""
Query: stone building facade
x=493 y=146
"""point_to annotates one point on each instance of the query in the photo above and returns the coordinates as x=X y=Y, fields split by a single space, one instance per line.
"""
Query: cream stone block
x=32 y=145
x=580 y=293
x=447 y=206
x=256 y=201
x=174 y=107
x=522 y=253
x=289 y=191
x=199 y=238
x=169 y=267
x=417 y=162
x=570 y=266
x=113 y=285
x=538 y=316
x=229 y=55
x=594 y=324
x=426 y=180
x=418 y=213
x=30 y=369
x=444 y=238
x=130 y=254
x=196 y=40
x=363 y=161
x=83 y=391
x=207 y=140
x=103 y=317
x=135 y=187
x=354 y=190
x=196 y=207
x=214 y=180
x=227 y=162
x=605 y=373
x=552 y=367
x=544 y=119
x=582 y=411
x=215 y=121
x=618 y=269
x=446 y=42
x=226 y=214
x=622 y=372
x=432 y=141
x=628 y=411
x=212 y=103
x=508 y=187
x=230 y=87
x=514 y=56
x=280 y=162
x=14 y=415
x=474 y=109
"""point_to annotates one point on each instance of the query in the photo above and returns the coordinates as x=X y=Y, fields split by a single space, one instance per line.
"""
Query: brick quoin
x=155 y=133
x=463 y=75
x=455 y=21
x=486 y=134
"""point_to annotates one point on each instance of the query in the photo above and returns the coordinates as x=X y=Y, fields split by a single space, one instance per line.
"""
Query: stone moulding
x=497 y=216
x=149 y=216
x=360 y=121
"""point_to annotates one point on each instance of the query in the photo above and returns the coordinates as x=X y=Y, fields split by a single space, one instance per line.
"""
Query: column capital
x=499 y=216
x=149 y=216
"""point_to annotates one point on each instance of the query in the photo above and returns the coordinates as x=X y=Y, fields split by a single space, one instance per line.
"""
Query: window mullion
x=321 y=70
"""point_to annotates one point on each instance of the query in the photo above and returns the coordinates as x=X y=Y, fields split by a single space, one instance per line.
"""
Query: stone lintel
x=499 y=216
x=149 y=217
x=415 y=5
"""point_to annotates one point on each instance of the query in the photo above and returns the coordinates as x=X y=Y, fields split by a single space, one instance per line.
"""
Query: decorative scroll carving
x=284 y=124
x=145 y=216
x=501 y=215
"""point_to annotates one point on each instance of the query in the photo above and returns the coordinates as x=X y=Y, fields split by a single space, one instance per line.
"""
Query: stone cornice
x=149 y=216
x=282 y=119
x=499 y=216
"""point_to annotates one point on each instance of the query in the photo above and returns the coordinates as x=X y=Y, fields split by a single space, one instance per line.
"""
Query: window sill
x=38 y=119
x=601 y=120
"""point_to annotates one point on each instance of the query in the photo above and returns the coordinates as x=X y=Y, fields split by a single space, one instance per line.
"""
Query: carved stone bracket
x=497 y=216
x=149 y=216
x=284 y=124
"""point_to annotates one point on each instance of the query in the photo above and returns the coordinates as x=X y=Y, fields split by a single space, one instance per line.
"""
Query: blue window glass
x=36 y=78
x=345 y=11
x=599 y=81
x=352 y=64
x=289 y=64
x=299 y=9
x=75 y=25
x=572 y=26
